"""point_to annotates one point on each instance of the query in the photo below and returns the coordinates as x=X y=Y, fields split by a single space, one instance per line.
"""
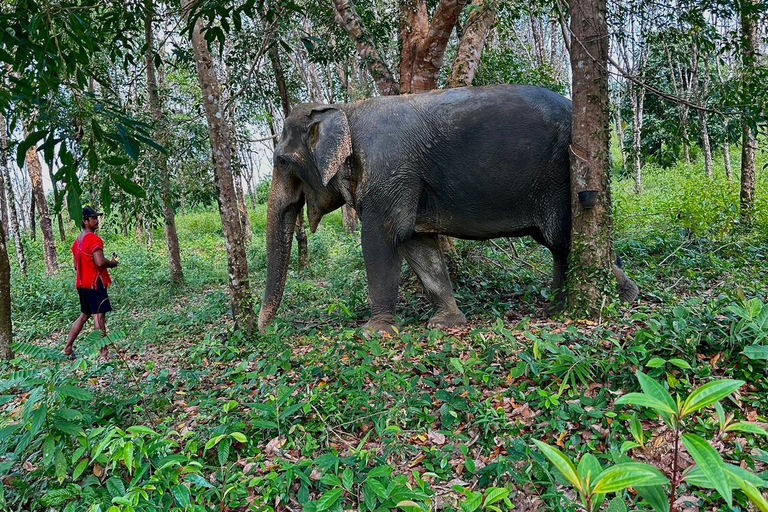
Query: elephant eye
x=281 y=161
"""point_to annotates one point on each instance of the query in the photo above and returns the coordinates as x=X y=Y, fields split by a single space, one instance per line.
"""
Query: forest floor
x=191 y=415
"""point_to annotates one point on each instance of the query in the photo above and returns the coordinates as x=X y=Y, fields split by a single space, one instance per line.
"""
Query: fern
x=38 y=352
x=95 y=341
x=16 y=379
x=56 y=497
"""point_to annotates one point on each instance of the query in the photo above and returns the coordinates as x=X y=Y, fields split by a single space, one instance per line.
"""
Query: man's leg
x=100 y=322
x=75 y=331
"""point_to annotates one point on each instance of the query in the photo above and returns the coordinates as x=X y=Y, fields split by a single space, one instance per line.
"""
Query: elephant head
x=310 y=164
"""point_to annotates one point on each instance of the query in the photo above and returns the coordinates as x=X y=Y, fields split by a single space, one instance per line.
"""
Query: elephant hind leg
x=559 y=275
x=423 y=254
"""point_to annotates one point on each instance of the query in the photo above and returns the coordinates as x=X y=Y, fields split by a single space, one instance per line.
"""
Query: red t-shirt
x=87 y=271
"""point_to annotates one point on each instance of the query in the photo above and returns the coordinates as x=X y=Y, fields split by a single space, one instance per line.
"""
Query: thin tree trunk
x=155 y=105
x=700 y=94
x=591 y=240
x=285 y=102
x=637 y=97
x=237 y=262
x=727 y=155
x=57 y=198
x=3 y=199
x=46 y=228
x=620 y=134
x=6 y=328
x=32 y=217
x=538 y=38
x=748 y=139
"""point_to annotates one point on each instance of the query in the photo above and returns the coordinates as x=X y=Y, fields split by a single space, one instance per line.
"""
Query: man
x=92 y=280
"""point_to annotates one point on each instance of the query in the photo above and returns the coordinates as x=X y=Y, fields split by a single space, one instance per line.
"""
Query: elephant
x=472 y=163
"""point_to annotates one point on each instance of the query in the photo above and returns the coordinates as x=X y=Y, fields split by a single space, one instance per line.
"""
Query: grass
x=314 y=416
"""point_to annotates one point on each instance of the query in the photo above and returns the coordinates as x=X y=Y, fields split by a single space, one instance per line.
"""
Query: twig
x=511 y=257
x=686 y=242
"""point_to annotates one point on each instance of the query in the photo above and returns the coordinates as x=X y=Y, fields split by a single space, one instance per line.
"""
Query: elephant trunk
x=285 y=202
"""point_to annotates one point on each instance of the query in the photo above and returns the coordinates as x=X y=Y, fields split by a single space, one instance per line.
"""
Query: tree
x=156 y=108
x=237 y=262
x=748 y=13
x=591 y=255
x=10 y=197
x=6 y=328
x=46 y=227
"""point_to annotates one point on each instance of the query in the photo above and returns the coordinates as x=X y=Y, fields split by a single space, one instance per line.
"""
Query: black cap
x=90 y=212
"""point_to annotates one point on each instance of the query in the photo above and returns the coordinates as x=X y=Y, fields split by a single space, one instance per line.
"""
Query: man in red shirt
x=92 y=280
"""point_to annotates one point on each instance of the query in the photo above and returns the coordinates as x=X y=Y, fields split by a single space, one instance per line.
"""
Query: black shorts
x=94 y=301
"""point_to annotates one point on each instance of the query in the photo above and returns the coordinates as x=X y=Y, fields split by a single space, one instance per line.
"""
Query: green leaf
x=680 y=363
x=198 y=480
x=749 y=428
x=494 y=495
x=655 y=496
x=562 y=463
x=628 y=474
x=754 y=495
x=756 y=352
x=31 y=140
x=711 y=464
x=656 y=362
x=79 y=469
x=75 y=392
x=224 y=446
x=328 y=499
x=239 y=437
x=652 y=388
x=473 y=502
x=377 y=487
x=60 y=463
x=617 y=505
x=645 y=400
x=636 y=428
x=348 y=479
x=49 y=449
x=589 y=468
x=181 y=494
x=141 y=430
x=696 y=477
x=128 y=185
x=115 y=487
x=628 y=445
x=708 y=394
x=214 y=441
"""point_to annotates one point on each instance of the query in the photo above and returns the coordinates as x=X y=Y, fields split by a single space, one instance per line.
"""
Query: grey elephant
x=473 y=163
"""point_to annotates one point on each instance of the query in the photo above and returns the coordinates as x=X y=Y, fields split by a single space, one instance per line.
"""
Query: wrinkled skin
x=473 y=163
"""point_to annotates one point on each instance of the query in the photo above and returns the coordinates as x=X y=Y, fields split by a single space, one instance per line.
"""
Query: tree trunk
x=57 y=198
x=638 y=100
x=727 y=155
x=13 y=215
x=6 y=328
x=32 y=217
x=156 y=108
x=700 y=93
x=748 y=139
x=46 y=228
x=3 y=198
x=285 y=102
x=347 y=17
x=538 y=38
x=590 y=260
x=472 y=43
x=620 y=133
x=237 y=262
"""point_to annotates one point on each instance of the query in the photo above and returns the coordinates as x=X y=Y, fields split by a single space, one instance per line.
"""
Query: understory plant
x=658 y=490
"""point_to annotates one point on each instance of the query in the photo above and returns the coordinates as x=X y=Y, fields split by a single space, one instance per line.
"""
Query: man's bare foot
x=104 y=355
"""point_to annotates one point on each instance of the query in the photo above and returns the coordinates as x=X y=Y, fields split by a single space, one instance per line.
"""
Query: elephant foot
x=444 y=319
x=380 y=325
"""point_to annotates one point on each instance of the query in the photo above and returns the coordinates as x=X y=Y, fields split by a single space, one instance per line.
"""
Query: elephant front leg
x=382 y=266
x=423 y=254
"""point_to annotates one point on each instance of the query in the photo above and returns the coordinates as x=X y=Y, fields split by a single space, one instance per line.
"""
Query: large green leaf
x=628 y=474
x=31 y=140
x=756 y=352
x=655 y=496
x=589 y=468
x=645 y=400
x=754 y=495
x=128 y=185
x=656 y=390
x=562 y=463
x=75 y=392
x=711 y=464
x=328 y=499
x=697 y=478
x=749 y=428
x=708 y=394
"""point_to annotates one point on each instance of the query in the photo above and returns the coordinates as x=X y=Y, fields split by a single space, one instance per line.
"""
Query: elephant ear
x=329 y=140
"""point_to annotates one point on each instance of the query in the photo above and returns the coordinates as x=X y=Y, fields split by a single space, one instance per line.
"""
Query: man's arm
x=101 y=261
